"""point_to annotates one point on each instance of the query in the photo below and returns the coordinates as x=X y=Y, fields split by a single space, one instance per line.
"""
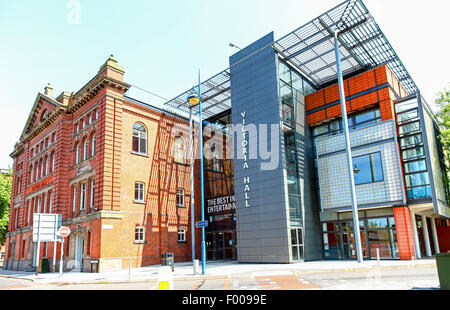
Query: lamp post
x=349 y=151
x=193 y=100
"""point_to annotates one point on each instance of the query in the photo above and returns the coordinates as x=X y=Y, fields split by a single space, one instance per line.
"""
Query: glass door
x=297 y=244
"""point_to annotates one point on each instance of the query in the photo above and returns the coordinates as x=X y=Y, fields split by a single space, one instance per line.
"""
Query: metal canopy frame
x=310 y=49
x=216 y=96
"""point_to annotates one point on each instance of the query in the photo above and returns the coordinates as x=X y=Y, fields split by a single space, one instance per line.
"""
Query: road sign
x=63 y=231
x=45 y=226
x=201 y=224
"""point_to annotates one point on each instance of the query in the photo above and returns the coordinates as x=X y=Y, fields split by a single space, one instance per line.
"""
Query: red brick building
x=115 y=168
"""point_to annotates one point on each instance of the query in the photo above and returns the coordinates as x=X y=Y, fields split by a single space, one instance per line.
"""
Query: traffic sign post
x=63 y=232
x=44 y=229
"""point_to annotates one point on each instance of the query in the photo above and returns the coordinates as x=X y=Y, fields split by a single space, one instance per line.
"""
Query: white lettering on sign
x=222 y=204
x=245 y=153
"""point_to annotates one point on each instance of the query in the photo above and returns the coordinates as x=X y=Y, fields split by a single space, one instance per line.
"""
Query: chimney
x=49 y=90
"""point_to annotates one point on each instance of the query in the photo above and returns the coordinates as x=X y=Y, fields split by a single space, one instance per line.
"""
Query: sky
x=163 y=44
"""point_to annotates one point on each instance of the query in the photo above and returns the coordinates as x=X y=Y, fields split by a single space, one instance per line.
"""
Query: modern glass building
x=286 y=186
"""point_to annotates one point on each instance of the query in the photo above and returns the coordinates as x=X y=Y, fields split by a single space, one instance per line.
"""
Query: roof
x=310 y=49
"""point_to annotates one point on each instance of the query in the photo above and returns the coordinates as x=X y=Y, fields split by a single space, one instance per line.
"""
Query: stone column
x=416 y=236
x=426 y=236
x=435 y=236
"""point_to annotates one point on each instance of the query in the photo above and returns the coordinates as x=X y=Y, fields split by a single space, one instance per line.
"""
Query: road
x=374 y=279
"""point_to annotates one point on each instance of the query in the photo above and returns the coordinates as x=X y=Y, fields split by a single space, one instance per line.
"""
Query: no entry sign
x=64 y=231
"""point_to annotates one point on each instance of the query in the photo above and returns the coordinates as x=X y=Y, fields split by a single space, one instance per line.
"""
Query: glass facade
x=220 y=207
x=410 y=133
x=376 y=233
x=292 y=89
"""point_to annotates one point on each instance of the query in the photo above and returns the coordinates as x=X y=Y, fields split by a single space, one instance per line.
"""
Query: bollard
x=196 y=267
x=378 y=256
x=165 y=279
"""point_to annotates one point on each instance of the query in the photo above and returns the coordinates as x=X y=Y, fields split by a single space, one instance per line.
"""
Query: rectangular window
x=368 y=169
x=139 y=235
x=50 y=202
x=415 y=166
x=181 y=234
x=74 y=204
x=83 y=196
x=92 y=193
x=409 y=128
x=411 y=115
x=139 y=192
x=180 y=197
x=411 y=140
x=413 y=153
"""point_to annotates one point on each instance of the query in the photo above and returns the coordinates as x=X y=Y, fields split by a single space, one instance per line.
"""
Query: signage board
x=45 y=227
x=201 y=224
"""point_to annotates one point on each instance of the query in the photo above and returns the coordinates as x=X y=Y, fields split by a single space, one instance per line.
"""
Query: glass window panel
x=406 y=106
x=413 y=153
x=411 y=140
x=419 y=192
x=297 y=82
x=377 y=223
x=365 y=117
x=335 y=126
x=365 y=170
x=403 y=117
x=417 y=179
x=416 y=166
x=294 y=240
x=285 y=73
x=377 y=168
x=408 y=128
x=320 y=130
x=308 y=88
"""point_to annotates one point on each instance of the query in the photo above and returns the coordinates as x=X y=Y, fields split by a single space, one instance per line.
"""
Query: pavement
x=214 y=270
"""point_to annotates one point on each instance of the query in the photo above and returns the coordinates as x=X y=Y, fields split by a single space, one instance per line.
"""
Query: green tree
x=5 y=200
x=443 y=101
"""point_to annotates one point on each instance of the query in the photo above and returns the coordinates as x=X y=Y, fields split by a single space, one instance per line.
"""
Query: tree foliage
x=443 y=101
x=5 y=200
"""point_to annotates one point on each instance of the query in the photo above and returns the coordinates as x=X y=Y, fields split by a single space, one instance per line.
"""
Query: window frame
x=183 y=195
x=139 y=234
x=371 y=168
x=137 y=134
x=139 y=189
x=182 y=232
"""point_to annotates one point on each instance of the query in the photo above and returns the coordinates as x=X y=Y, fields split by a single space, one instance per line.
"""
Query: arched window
x=139 y=139
x=85 y=149
x=180 y=150
x=93 y=141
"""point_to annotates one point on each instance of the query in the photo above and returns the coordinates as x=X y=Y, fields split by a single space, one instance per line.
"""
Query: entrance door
x=297 y=244
x=79 y=251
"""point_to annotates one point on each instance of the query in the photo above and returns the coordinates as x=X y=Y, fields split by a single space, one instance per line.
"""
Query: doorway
x=79 y=252
x=221 y=245
x=298 y=254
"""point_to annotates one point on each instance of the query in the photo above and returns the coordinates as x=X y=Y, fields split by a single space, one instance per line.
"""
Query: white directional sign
x=45 y=227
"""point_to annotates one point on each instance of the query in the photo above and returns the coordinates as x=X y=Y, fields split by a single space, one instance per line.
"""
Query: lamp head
x=194 y=100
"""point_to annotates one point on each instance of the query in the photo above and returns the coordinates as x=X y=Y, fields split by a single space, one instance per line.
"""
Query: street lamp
x=348 y=151
x=193 y=100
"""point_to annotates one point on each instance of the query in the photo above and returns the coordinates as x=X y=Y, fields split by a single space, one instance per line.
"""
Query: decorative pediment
x=43 y=107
